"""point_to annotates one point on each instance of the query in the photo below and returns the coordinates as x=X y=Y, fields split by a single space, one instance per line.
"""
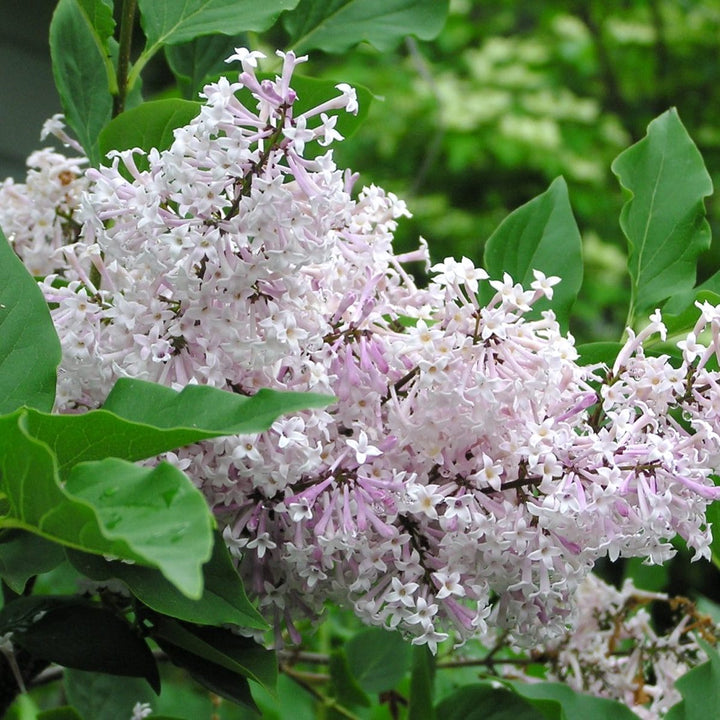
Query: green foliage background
x=510 y=95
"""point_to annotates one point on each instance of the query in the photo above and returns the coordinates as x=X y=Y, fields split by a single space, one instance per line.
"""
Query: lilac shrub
x=472 y=470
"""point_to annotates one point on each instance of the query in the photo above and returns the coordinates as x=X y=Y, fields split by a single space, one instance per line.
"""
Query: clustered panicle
x=616 y=651
x=472 y=469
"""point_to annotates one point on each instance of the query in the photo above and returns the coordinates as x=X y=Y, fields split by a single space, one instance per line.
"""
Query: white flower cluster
x=615 y=650
x=471 y=471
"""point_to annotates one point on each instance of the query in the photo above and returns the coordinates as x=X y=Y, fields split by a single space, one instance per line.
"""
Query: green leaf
x=153 y=516
x=343 y=686
x=161 y=516
x=487 y=701
x=147 y=126
x=76 y=633
x=336 y=25
x=167 y=22
x=223 y=599
x=23 y=555
x=223 y=648
x=422 y=684
x=29 y=346
x=599 y=352
x=378 y=659
x=540 y=235
x=683 y=321
x=104 y=697
x=664 y=217
x=699 y=689
x=142 y=419
x=574 y=704
x=82 y=68
x=196 y=61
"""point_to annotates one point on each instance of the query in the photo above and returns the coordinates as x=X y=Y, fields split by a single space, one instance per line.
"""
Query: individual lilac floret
x=472 y=470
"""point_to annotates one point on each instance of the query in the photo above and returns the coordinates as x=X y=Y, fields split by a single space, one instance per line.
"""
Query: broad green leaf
x=540 y=235
x=23 y=555
x=76 y=633
x=343 y=686
x=222 y=648
x=154 y=516
x=29 y=346
x=487 y=701
x=196 y=61
x=82 y=68
x=167 y=22
x=157 y=512
x=147 y=126
x=664 y=217
x=574 y=704
x=142 y=419
x=223 y=599
x=700 y=689
x=422 y=684
x=599 y=352
x=378 y=659
x=98 y=696
x=336 y=25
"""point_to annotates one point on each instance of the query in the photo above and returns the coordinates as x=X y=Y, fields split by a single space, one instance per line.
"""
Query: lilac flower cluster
x=615 y=650
x=471 y=471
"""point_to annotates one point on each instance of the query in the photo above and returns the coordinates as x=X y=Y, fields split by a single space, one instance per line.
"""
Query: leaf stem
x=127 y=21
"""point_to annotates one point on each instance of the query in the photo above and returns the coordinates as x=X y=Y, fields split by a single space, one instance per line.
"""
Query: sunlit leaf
x=141 y=419
x=154 y=516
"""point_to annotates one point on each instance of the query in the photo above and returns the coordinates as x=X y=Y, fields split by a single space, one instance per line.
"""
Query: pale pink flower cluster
x=615 y=650
x=38 y=216
x=470 y=472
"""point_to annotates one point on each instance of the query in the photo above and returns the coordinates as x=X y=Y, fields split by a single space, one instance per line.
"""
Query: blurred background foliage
x=470 y=126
